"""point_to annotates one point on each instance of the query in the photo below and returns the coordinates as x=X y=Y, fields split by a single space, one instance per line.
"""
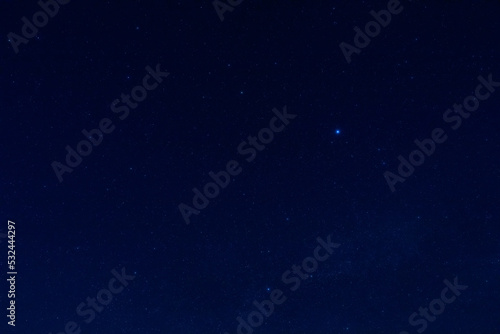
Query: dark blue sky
x=181 y=100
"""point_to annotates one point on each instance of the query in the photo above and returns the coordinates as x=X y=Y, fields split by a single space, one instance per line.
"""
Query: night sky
x=229 y=166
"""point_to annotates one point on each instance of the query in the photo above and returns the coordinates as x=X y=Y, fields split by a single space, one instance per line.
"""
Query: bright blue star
x=337 y=132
